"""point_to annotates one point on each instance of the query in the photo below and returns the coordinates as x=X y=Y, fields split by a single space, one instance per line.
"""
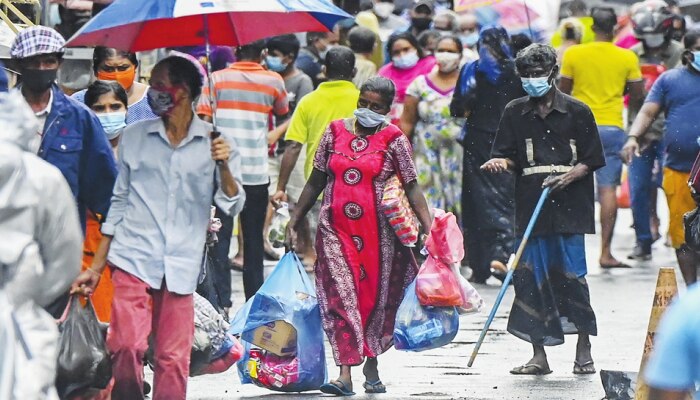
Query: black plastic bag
x=83 y=361
x=691 y=220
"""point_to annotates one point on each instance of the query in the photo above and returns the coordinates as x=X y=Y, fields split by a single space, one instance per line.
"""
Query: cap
x=426 y=3
x=36 y=40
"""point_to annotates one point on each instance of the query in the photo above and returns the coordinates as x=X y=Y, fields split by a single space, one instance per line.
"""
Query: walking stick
x=509 y=276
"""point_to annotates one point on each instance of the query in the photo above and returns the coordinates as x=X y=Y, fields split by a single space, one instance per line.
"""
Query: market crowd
x=474 y=120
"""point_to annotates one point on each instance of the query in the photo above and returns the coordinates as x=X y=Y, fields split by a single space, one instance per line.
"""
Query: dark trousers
x=252 y=221
x=220 y=270
x=488 y=215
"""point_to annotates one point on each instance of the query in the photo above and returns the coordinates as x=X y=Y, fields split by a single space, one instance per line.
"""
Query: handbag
x=694 y=176
x=399 y=213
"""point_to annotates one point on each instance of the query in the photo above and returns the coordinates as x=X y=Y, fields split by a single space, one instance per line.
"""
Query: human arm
x=640 y=126
x=229 y=195
x=289 y=160
x=409 y=117
x=559 y=182
x=87 y=281
x=402 y=158
x=504 y=151
x=565 y=84
x=312 y=190
x=498 y=165
x=419 y=205
x=276 y=134
x=566 y=77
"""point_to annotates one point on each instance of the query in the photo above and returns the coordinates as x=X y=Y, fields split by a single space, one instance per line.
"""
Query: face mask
x=536 y=87
x=653 y=40
x=421 y=23
x=406 y=61
x=323 y=53
x=383 y=10
x=369 y=118
x=38 y=80
x=470 y=39
x=275 y=64
x=447 y=62
x=696 y=61
x=125 y=78
x=112 y=123
x=162 y=102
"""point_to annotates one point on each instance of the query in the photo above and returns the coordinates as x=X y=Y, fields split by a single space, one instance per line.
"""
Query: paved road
x=621 y=299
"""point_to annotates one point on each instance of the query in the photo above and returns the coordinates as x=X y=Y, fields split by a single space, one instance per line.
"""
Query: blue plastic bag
x=287 y=295
x=420 y=328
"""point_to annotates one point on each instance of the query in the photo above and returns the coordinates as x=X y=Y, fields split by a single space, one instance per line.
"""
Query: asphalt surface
x=621 y=299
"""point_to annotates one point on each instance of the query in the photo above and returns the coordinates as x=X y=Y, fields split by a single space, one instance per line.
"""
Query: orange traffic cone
x=666 y=289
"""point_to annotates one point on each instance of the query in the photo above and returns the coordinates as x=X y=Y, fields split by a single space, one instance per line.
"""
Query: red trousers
x=138 y=311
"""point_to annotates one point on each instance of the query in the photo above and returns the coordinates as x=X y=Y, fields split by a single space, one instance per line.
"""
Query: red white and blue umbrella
x=141 y=25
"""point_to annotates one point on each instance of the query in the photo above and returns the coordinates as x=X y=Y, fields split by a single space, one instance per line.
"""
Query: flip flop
x=336 y=388
x=579 y=368
x=530 y=369
x=620 y=264
x=374 y=387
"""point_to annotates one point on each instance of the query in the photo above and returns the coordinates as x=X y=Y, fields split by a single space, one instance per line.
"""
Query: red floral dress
x=362 y=269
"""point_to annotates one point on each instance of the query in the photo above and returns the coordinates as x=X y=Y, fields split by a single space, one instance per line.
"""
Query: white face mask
x=446 y=61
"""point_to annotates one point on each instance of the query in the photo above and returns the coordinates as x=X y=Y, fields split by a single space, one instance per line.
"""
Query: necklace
x=355 y=132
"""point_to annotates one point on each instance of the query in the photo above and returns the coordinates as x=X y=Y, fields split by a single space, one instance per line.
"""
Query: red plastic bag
x=437 y=286
x=445 y=241
x=623 y=192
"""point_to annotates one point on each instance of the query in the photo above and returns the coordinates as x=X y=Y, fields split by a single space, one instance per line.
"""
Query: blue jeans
x=642 y=182
x=613 y=139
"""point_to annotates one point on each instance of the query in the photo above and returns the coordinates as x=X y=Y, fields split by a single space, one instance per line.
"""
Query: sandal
x=374 y=387
x=581 y=368
x=336 y=388
x=530 y=369
x=620 y=264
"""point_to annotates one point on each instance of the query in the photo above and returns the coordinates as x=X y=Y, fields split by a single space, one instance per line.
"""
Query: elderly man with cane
x=550 y=140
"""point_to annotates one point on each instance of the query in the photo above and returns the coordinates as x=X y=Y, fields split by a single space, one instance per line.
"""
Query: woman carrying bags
x=362 y=269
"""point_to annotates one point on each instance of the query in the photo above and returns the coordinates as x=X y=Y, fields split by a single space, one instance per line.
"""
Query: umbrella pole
x=509 y=276
x=212 y=93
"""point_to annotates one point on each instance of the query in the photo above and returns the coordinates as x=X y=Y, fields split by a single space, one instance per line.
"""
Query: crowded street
x=399 y=199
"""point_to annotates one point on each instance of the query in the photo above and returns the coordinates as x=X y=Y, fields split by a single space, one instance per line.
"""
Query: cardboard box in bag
x=277 y=337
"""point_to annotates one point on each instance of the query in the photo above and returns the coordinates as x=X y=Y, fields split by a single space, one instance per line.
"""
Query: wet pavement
x=621 y=299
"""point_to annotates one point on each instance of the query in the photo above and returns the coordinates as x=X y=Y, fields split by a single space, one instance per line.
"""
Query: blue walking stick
x=509 y=276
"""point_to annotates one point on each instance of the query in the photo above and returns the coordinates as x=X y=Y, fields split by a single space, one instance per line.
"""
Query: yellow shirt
x=600 y=71
x=330 y=101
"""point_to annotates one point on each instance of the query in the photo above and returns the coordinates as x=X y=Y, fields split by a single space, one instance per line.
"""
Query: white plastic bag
x=278 y=225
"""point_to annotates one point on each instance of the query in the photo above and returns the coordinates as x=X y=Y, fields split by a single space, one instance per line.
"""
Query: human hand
x=290 y=236
x=630 y=150
x=220 y=150
x=495 y=165
x=86 y=282
x=556 y=183
x=278 y=198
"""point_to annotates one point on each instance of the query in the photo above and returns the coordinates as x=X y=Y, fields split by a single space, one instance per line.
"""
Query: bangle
x=636 y=138
x=93 y=271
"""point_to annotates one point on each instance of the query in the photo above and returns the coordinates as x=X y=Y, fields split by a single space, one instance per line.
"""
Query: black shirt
x=530 y=141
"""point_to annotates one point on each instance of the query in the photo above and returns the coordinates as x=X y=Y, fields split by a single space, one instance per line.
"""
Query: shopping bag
x=471 y=299
x=437 y=285
x=420 y=328
x=280 y=329
x=83 y=364
x=623 y=191
x=445 y=241
x=399 y=213
x=278 y=225
x=691 y=221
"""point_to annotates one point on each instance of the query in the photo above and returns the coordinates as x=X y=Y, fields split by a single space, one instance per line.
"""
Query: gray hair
x=536 y=54
x=382 y=86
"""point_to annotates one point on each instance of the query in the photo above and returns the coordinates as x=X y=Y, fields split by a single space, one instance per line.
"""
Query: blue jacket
x=76 y=144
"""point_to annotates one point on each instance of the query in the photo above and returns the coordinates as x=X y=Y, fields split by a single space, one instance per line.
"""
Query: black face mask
x=421 y=23
x=38 y=80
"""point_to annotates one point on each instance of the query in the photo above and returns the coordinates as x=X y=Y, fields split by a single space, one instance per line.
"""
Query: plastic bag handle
x=301 y=272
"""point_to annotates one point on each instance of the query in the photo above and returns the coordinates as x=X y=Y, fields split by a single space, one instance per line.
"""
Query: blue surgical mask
x=470 y=39
x=369 y=118
x=536 y=87
x=112 y=123
x=406 y=61
x=275 y=64
x=696 y=60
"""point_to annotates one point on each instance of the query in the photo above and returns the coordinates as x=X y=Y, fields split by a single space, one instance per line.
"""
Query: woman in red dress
x=362 y=269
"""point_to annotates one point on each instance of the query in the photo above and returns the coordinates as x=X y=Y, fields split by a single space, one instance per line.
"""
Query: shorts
x=613 y=139
x=680 y=201
x=296 y=179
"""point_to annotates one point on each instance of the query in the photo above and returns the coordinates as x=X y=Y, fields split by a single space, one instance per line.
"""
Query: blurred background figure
x=363 y=42
x=468 y=30
x=421 y=17
x=427 y=40
x=39 y=255
x=571 y=32
x=310 y=59
x=481 y=94
x=427 y=122
x=388 y=21
x=520 y=41
x=408 y=61
x=576 y=9
x=446 y=22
